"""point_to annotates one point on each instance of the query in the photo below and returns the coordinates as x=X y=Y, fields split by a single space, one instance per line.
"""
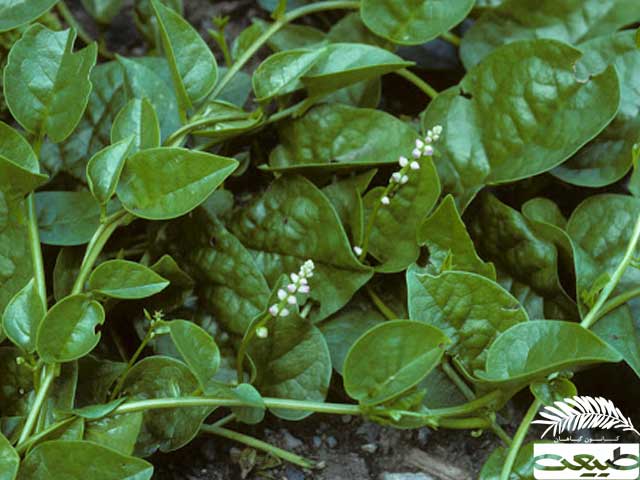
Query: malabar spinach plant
x=184 y=245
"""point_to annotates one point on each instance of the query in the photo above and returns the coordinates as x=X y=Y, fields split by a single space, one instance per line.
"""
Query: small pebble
x=346 y=418
x=332 y=442
x=369 y=448
x=317 y=441
x=405 y=476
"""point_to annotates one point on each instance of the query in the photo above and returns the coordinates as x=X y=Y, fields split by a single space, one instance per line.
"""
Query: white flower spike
x=403 y=161
x=357 y=250
x=262 y=332
x=415 y=165
x=385 y=200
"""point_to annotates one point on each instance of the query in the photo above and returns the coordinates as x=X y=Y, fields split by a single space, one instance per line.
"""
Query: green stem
x=43 y=434
x=377 y=301
x=36 y=249
x=518 y=439
x=277 y=25
x=452 y=38
x=369 y=228
x=68 y=17
x=418 y=82
x=593 y=314
x=41 y=396
x=472 y=423
x=469 y=407
x=259 y=445
x=97 y=243
x=148 y=336
x=617 y=301
x=176 y=137
x=242 y=350
x=221 y=40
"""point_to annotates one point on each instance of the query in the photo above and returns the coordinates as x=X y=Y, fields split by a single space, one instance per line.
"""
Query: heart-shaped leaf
x=127 y=280
x=22 y=317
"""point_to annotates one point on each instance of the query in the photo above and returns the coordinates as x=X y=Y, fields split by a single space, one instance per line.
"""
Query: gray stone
x=290 y=442
x=332 y=442
x=405 y=476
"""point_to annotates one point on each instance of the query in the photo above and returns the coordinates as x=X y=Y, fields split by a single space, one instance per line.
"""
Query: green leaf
x=293 y=361
x=249 y=415
x=66 y=218
x=126 y=280
x=118 y=432
x=281 y=73
x=391 y=358
x=16 y=13
x=9 y=460
x=333 y=137
x=228 y=120
x=234 y=288
x=342 y=329
x=165 y=429
x=608 y=157
x=344 y=64
x=19 y=168
x=290 y=36
x=104 y=169
x=69 y=460
x=22 y=317
x=163 y=183
x=137 y=118
x=351 y=29
x=446 y=237
x=621 y=330
x=570 y=21
x=470 y=309
x=600 y=230
x=46 y=85
x=522 y=468
x=103 y=11
x=193 y=67
x=292 y=222
x=96 y=412
x=532 y=350
x=67 y=331
x=17 y=381
x=507 y=121
x=526 y=262
x=392 y=239
x=553 y=391
x=413 y=22
x=95 y=378
x=66 y=270
x=198 y=350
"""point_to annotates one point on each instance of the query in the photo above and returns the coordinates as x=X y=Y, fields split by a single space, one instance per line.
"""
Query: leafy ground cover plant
x=185 y=245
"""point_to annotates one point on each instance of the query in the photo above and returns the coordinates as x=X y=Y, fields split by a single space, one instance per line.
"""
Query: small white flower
x=428 y=139
x=357 y=250
x=304 y=289
x=419 y=143
x=282 y=294
x=292 y=300
x=292 y=288
x=404 y=179
x=428 y=150
x=284 y=312
x=396 y=177
x=437 y=129
x=417 y=153
x=304 y=281
x=274 y=310
x=385 y=200
x=262 y=332
x=436 y=137
x=415 y=165
x=294 y=277
x=403 y=161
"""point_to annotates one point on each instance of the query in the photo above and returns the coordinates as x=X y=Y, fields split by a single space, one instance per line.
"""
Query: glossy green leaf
x=103 y=10
x=393 y=236
x=226 y=120
x=570 y=21
x=163 y=183
x=67 y=218
x=198 y=350
x=9 y=460
x=22 y=317
x=391 y=358
x=119 y=432
x=67 y=331
x=446 y=237
x=553 y=391
x=17 y=380
x=600 y=229
x=521 y=112
x=352 y=29
x=344 y=64
x=68 y=460
x=522 y=467
x=290 y=36
x=66 y=270
x=16 y=13
x=126 y=280
x=470 y=309
x=608 y=157
x=164 y=429
x=137 y=118
x=292 y=222
x=96 y=412
x=253 y=414
x=526 y=262
x=621 y=330
x=415 y=21
x=333 y=137
x=19 y=168
x=234 y=288
x=281 y=73
x=95 y=378
x=46 y=84
x=193 y=66
x=105 y=167
x=293 y=361
x=532 y=350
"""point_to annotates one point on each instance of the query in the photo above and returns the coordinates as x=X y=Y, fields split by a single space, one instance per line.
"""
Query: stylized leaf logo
x=581 y=412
